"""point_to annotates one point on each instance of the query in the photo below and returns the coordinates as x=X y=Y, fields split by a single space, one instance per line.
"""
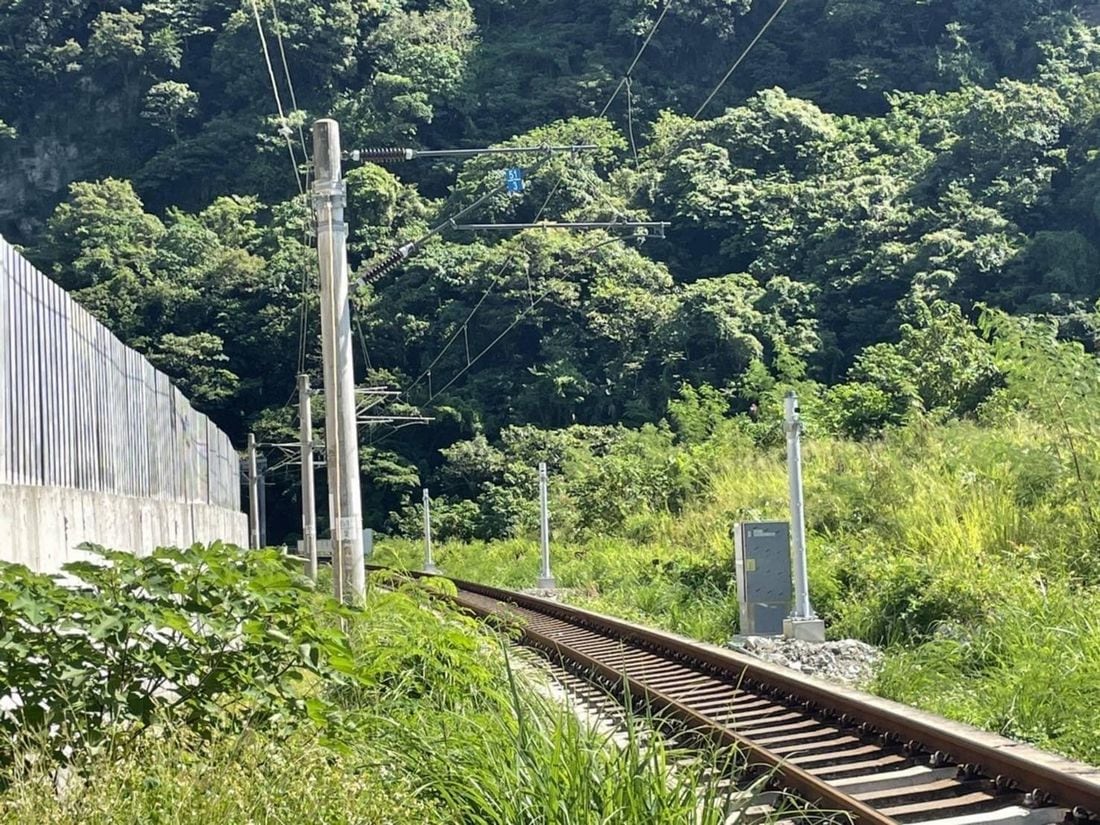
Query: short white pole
x=309 y=504
x=546 y=578
x=253 y=495
x=793 y=427
x=429 y=562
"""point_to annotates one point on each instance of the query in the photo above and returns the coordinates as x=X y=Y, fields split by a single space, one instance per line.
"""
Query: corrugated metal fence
x=79 y=409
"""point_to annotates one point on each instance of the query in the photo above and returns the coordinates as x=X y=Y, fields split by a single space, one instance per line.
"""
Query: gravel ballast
x=846 y=661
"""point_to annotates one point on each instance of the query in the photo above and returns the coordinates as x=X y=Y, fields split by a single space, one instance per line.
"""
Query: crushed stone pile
x=847 y=661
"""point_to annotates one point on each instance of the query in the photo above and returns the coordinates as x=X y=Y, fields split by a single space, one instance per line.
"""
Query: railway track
x=873 y=761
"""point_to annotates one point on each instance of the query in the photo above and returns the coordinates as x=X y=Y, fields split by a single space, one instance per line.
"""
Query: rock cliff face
x=37 y=171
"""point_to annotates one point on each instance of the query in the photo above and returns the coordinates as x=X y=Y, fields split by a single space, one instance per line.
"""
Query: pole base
x=547 y=584
x=431 y=570
x=806 y=630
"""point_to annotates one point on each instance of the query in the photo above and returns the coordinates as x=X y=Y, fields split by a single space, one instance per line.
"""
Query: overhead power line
x=658 y=226
x=465 y=327
x=284 y=127
x=515 y=322
x=286 y=131
x=637 y=57
x=399 y=155
x=395 y=258
x=740 y=59
x=290 y=84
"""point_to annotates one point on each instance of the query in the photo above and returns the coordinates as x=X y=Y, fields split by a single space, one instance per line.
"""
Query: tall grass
x=436 y=727
x=254 y=778
x=966 y=550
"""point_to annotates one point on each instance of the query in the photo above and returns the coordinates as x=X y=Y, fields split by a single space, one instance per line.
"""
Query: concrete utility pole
x=803 y=622
x=261 y=466
x=429 y=562
x=341 y=427
x=546 y=578
x=253 y=495
x=309 y=503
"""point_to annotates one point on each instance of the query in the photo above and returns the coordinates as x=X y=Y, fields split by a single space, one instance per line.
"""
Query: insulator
x=391 y=154
x=382 y=267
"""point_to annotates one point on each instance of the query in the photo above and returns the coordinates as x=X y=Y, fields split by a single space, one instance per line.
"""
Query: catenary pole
x=546 y=578
x=429 y=562
x=261 y=487
x=253 y=495
x=341 y=427
x=309 y=503
x=793 y=426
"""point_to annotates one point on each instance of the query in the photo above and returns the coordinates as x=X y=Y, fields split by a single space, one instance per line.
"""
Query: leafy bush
x=214 y=638
x=242 y=669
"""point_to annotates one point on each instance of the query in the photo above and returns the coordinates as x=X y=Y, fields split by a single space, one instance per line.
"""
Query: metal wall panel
x=5 y=368
x=80 y=409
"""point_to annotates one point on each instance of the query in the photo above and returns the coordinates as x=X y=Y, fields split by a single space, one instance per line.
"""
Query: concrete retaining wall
x=41 y=526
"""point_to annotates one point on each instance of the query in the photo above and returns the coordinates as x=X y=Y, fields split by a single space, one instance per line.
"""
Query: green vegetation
x=891 y=209
x=215 y=684
x=848 y=180
x=969 y=548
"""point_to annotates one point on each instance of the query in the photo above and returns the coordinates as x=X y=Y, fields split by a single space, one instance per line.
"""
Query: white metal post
x=429 y=562
x=546 y=578
x=261 y=466
x=253 y=495
x=309 y=503
x=803 y=622
x=341 y=426
x=793 y=427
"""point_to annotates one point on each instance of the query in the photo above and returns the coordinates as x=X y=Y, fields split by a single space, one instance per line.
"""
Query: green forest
x=873 y=175
x=891 y=207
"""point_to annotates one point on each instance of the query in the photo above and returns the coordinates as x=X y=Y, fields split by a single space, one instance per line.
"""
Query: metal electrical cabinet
x=763 y=566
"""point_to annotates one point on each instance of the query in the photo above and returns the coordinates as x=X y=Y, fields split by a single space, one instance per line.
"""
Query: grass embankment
x=215 y=685
x=971 y=552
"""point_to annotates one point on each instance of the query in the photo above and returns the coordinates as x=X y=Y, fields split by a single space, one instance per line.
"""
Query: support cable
x=515 y=322
x=740 y=59
x=284 y=130
x=290 y=83
x=674 y=148
x=303 y=323
x=637 y=57
x=493 y=283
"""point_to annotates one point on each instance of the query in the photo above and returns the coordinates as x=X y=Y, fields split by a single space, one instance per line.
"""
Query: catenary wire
x=626 y=81
x=284 y=130
x=464 y=327
x=493 y=283
x=637 y=57
x=290 y=84
x=740 y=59
x=303 y=185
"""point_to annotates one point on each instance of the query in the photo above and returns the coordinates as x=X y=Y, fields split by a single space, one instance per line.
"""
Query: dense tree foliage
x=873 y=175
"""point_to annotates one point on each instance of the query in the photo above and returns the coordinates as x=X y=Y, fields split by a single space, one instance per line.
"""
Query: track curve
x=876 y=761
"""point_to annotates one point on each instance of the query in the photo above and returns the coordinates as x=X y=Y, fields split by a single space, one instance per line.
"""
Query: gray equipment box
x=763 y=566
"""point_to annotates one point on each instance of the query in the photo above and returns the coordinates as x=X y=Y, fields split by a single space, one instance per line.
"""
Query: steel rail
x=807 y=786
x=1011 y=766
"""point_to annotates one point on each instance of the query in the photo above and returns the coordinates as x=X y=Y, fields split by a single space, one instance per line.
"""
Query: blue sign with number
x=513 y=180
